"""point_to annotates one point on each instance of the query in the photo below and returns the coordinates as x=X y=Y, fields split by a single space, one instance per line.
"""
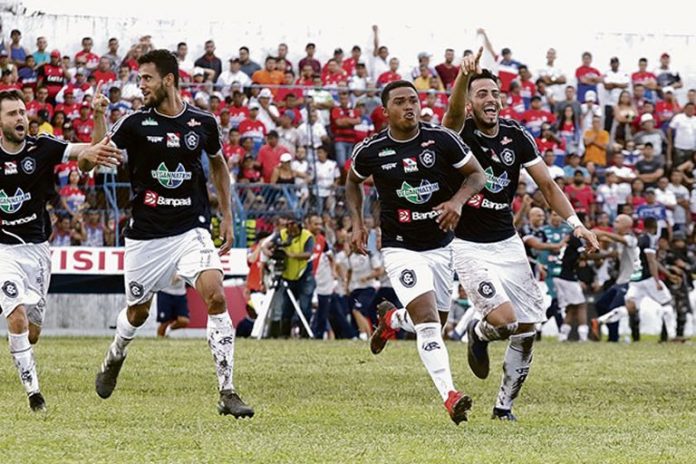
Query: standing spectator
x=638 y=97
x=312 y=134
x=234 y=74
x=615 y=82
x=596 y=141
x=248 y=66
x=289 y=135
x=343 y=122
x=269 y=156
x=650 y=168
x=580 y=194
x=126 y=82
x=112 y=55
x=514 y=98
x=290 y=88
x=232 y=149
x=548 y=140
x=283 y=55
x=666 y=108
x=508 y=69
x=104 y=73
x=269 y=75
x=18 y=54
x=282 y=172
x=116 y=102
x=568 y=129
x=527 y=87
x=41 y=55
x=682 y=145
x=6 y=81
x=252 y=128
x=268 y=112
x=447 y=70
x=682 y=214
x=423 y=62
x=52 y=75
x=550 y=161
x=612 y=194
x=6 y=65
x=649 y=133
x=27 y=74
x=210 y=61
x=72 y=197
x=380 y=55
x=42 y=101
x=84 y=125
x=30 y=102
x=90 y=59
x=666 y=77
x=185 y=64
x=360 y=82
x=535 y=117
x=624 y=113
x=553 y=77
x=569 y=100
x=645 y=78
x=309 y=59
x=587 y=76
x=349 y=65
x=93 y=229
x=326 y=179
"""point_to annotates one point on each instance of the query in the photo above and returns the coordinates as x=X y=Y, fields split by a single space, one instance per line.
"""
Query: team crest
x=28 y=165
x=136 y=290
x=9 y=288
x=191 y=139
x=408 y=278
x=427 y=158
x=486 y=289
x=507 y=157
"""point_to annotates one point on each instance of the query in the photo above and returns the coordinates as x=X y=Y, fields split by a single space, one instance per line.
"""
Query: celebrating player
x=169 y=233
x=26 y=183
x=413 y=166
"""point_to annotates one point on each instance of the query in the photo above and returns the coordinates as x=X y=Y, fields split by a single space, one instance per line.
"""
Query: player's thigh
x=199 y=263
x=442 y=265
x=410 y=274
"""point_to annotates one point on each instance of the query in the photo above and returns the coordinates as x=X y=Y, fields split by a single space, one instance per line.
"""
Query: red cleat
x=458 y=405
x=383 y=332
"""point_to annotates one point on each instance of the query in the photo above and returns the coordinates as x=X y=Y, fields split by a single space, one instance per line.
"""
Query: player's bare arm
x=456 y=113
x=221 y=180
x=354 y=198
x=474 y=181
x=100 y=152
x=560 y=204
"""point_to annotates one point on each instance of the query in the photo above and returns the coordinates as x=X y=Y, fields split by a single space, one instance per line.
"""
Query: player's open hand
x=99 y=102
x=358 y=240
x=103 y=153
x=472 y=64
x=590 y=238
x=227 y=234
x=450 y=212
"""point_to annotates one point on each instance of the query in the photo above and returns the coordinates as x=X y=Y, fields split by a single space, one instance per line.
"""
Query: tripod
x=264 y=305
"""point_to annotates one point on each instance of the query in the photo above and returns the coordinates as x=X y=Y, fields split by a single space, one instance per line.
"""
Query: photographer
x=290 y=250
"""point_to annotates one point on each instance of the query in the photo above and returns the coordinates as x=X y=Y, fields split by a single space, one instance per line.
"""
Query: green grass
x=335 y=402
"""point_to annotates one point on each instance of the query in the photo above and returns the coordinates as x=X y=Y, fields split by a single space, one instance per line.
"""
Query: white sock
x=125 y=332
x=220 y=334
x=668 y=317
x=518 y=358
x=583 y=330
x=23 y=356
x=614 y=315
x=433 y=354
x=400 y=320
x=564 y=332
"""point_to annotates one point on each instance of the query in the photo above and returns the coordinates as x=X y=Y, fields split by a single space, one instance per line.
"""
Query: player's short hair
x=165 y=62
x=485 y=74
x=245 y=48
x=12 y=95
x=395 y=85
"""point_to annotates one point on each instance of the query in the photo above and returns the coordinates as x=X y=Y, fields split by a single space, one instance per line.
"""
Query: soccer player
x=504 y=290
x=169 y=233
x=412 y=165
x=26 y=184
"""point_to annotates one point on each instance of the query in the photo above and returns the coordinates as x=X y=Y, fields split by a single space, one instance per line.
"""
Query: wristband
x=574 y=221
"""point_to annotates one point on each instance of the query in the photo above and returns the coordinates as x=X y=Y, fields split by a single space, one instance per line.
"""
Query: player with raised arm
x=504 y=290
x=169 y=233
x=26 y=184
x=413 y=166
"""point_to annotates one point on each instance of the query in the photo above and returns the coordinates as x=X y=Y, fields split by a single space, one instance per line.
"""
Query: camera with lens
x=277 y=262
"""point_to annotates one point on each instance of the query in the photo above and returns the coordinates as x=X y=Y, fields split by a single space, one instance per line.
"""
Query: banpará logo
x=20 y=221
x=153 y=200
x=420 y=194
x=12 y=204
x=169 y=179
x=406 y=215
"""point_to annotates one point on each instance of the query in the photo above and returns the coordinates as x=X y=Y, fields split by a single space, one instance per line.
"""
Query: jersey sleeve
x=456 y=152
x=631 y=241
x=529 y=153
x=57 y=150
x=645 y=245
x=120 y=132
x=213 y=144
x=360 y=165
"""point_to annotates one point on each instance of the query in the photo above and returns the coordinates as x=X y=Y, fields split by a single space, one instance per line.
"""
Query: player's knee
x=215 y=300
x=137 y=315
x=182 y=321
x=505 y=330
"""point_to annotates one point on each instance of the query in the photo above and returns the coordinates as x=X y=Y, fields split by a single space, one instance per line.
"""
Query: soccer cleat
x=37 y=402
x=503 y=414
x=231 y=404
x=383 y=332
x=108 y=375
x=458 y=405
x=594 y=329
x=477 y=352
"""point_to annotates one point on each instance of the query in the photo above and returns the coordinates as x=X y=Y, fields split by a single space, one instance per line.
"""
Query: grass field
x=335 y=402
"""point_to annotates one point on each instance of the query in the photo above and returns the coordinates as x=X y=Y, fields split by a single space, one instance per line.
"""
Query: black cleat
x=503 y=414
x=384 y=332
x=231 y=404
x=108 y=375
x=37 y=402
x=477 y=352
x=458 y=406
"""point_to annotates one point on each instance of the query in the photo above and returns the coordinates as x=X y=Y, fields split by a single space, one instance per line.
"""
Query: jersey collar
x=183 y=109
x=406 y=140
x=21 y=148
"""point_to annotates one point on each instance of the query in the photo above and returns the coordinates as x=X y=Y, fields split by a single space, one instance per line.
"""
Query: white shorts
x=568 y=292
x=496 y=273
x=413 y=273
x=648 y=288
x=25 y=274
x=151 y=265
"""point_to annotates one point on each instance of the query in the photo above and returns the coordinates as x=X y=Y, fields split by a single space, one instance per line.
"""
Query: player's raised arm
x=354 y=198
x=101 y=151
x=221 y=180
x=456 y=113
x=99 y=104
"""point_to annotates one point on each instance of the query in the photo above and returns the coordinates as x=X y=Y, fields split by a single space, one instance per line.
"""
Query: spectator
x=649 y=133
x=569 y=100
x=568 y=129
x=283 y=55
x=172 y=308
x=365 y=127
x=52 y=75
x=350 y=65
x=249 y=172
x=27 y=74
x=269 y=75
x=72 y=197
x=391 y=75
x=44 y=125
x=422 y=81
x=322 y=100
x=84 y=125
x=334 y=76
x=612 y=194
x=248 y=66
x=423 y=61
x=514 y=98
x=580 y=194
x=573 y=165
x=34 y=128
x=234 y=74
x=622 y=168
x=62 y=233
x=550 y=141
x=309 y=60
x=282 y=173
x=343 y=122
x=326 y=178
x=645 y=78
x=652 y=209
x=185 y=64
x=312 y=134
x=268 y=112
x=86 y=55
x=6 y=81
x=638 y=97
x=126 y=82
x=289 y=135
x=252 y=128
x=18 y=54
x=238 y=112
x=550 y=161
x=615 y=82
x=508 y=69
x=112 y=55
x=232 y=148
x=535 y=117
x=380 y=55
x=208 y=61
x=682 y=145
x=41 y=55
x=527 y=87
x=587 y=77
x=93 y=229
x=666 y=196
x=269 y=156
x=665 y=76
x=624 y=113
x=596 y=142
x=303 y=172
x=104 y=73
x=650 y=168
x=447 y=70
x=6 y=65
x=116 y=101
x=553 y=77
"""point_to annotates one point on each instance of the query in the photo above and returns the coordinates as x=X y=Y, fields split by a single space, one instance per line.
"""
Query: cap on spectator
x=285 y=158
x=248 y=157
x=234 y=59
x=664 y=55
x=422 y=55
x=290 y=114
x=646 y=117
x=55 y=53
x=84 y=104
x=591 y=95
x=265 y=93
x=427 y=112
x=574 y=154
x=650 y=190
x=254 y=106
x=3 y=52
x=68 y=92
x=198 y=72
x=668 y=89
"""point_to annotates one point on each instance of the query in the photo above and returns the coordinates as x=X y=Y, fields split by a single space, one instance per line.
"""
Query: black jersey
x=647 y=244
x=26 y=184
x=570 y=256
x=164 y=164
x=528 y=232
x=487 y=217
x=411 y=178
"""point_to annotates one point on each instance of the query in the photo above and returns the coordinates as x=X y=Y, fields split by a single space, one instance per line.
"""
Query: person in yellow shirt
x=45 y=126
x=596 y=142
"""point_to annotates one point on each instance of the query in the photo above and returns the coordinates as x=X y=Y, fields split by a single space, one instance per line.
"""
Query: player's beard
x=483 y=120
x=157 y=97
x=12 y=135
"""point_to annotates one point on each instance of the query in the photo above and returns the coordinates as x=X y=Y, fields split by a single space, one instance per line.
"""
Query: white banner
x=109 y=260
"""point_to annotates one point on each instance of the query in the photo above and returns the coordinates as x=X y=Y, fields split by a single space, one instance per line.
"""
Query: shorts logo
x=12 y=204
x=10 y=168
x=191 y=139
x=486 y=289
x=149 y=122
x=136 y=290
x=495 y=183
x=173 y=140
x=28 y=165
x=404 y=215
x=430 y=346
x=427 y=158
x=168 y=179
x=9 y=288
x=408 y=278
x=410 y=165
x=418 y=195
x=388 y=166
x=193 y=123
x=507 y=157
